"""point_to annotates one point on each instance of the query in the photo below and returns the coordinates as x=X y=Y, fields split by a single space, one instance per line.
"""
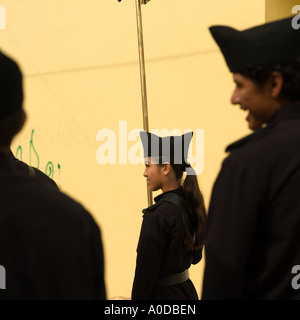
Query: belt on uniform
x=173 y=279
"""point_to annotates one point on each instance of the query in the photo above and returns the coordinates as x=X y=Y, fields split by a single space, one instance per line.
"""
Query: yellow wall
x=80 y=62
x=277 y=9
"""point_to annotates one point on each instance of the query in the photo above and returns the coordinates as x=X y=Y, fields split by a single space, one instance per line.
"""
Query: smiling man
x=257 y=100
x=252 y=239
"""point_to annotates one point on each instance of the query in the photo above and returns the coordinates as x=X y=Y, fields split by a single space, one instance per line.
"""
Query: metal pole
x=143 y=76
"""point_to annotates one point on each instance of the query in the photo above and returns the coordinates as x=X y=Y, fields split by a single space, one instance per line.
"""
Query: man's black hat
x=171 y=149
x=11 y=87
x=270 y=43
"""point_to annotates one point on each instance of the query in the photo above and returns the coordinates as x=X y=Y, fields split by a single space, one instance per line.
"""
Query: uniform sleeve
x=150 y=252
x=230 y=228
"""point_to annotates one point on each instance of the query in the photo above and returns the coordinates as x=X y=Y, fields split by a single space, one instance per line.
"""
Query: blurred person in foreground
x=50 y=246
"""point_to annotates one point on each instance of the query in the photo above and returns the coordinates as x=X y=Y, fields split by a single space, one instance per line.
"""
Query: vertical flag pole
x=143 y=75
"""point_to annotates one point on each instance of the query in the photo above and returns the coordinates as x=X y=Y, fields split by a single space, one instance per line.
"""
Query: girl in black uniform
x=171 y=236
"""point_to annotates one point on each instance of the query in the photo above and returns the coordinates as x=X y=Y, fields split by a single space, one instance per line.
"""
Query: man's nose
x=235 y=98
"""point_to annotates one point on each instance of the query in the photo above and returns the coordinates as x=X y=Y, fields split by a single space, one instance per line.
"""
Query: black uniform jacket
x=50 y=246
x=161 y=252
x=252 y=237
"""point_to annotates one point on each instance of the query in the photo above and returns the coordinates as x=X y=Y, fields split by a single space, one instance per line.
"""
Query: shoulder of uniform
x=239 y=143
x=161 y=206
x=38 y=173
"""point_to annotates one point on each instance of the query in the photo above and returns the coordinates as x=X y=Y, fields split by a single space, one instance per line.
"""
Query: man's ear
x=276 y=81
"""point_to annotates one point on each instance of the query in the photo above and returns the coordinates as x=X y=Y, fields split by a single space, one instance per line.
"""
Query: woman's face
x=154 y=174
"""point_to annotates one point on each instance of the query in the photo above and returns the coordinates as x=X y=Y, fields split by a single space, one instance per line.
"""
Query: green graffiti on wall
x=49 y=169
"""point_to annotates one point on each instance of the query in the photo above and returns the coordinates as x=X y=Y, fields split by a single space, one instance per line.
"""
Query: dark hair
x=9 y=127
x=195 y=203
x=290 y=73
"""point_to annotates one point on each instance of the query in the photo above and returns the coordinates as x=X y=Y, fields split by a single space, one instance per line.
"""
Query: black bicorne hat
x=171 y=149
x=270 y=43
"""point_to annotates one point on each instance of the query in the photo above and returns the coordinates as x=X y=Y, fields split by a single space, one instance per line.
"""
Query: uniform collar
x=161 y=196
x=242 y=141
x=286 y=112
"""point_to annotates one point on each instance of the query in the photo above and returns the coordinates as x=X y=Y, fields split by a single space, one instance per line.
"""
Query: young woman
x=171 y=236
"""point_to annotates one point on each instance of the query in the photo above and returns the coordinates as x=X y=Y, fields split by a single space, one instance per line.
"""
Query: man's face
x=258 y=101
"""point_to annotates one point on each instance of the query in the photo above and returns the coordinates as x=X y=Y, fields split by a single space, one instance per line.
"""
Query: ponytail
x=195 y=203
